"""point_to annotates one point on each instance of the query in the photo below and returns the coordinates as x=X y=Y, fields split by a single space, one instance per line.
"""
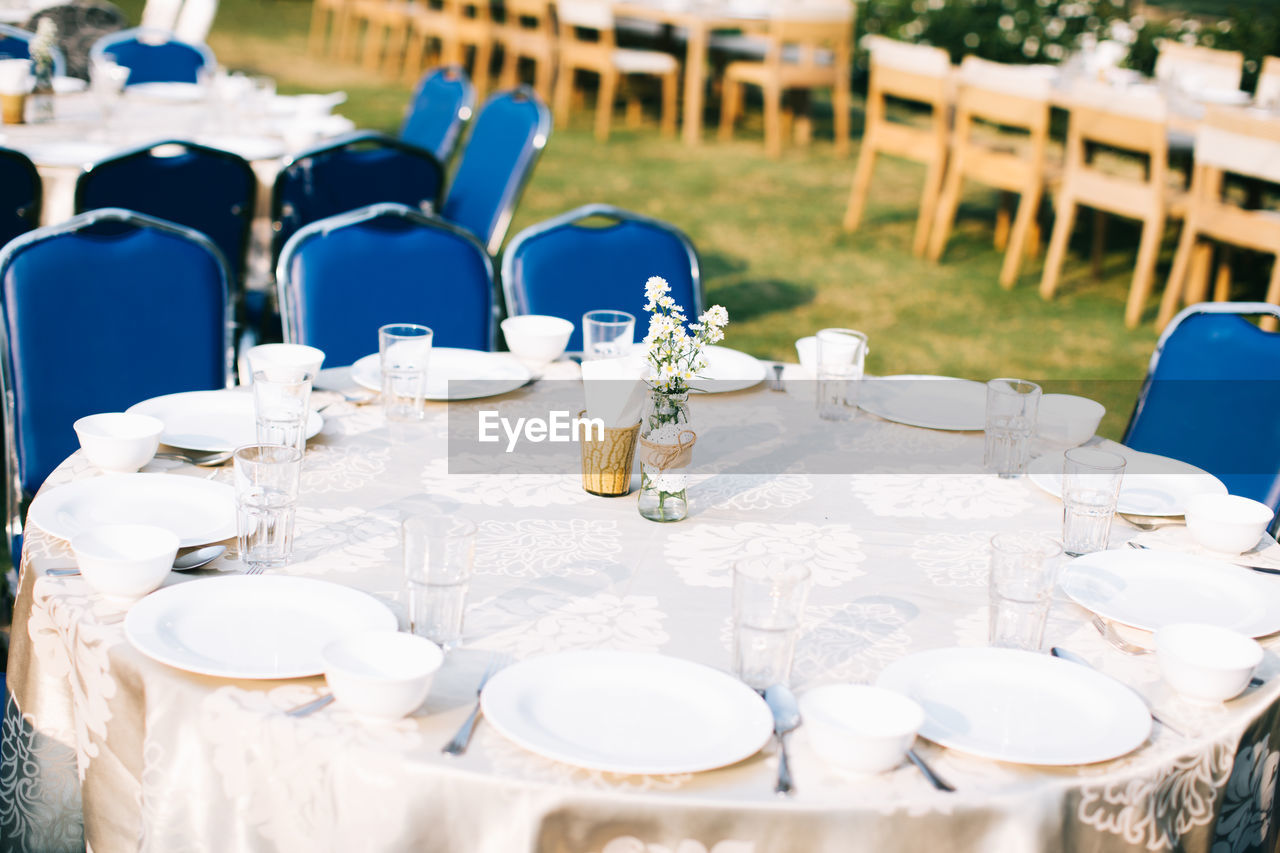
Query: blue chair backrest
x=566 y=266
x=20 y=193
x=505 y=141
x=155 y=56
x=15 y=43
x=102 y=311
x=341 y=279
x=1212 y=398
x=443 y=103
x=207 y=189
x=353 y=172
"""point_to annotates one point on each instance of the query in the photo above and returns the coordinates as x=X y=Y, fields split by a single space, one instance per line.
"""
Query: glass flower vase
x=666 y=444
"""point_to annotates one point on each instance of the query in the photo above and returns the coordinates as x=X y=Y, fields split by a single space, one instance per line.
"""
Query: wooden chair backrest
x=1214 y=68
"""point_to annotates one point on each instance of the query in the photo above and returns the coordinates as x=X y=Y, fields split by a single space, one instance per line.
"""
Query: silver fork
x=462 y=738
x=1116 y=641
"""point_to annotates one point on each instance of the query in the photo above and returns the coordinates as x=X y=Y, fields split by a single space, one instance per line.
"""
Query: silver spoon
x=200 y=459
x=183 y=563
x=786 y=717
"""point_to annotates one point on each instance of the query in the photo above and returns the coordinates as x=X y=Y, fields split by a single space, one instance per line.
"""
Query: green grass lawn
x=769 y=236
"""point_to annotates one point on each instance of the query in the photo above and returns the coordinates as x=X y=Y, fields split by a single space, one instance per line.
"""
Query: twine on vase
x=667 y=456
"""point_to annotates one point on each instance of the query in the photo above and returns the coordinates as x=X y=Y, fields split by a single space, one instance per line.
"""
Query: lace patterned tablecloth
x=158 y=759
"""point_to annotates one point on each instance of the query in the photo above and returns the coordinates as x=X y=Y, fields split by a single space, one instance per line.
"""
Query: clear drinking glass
x=607 y=334
x=1012 y=405
x=768 y=600
x=1091 y=481
x=1023 y=569
x=281 y=406
x=841 y=356
x=405 y=350
x=267 y=477
x=439 y=557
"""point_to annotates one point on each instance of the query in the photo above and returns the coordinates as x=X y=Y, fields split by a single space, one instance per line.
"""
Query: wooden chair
x=587 y=43
x=1267 y=93
x=527 y=33
x=1134 y=122
x=1207 y=67
x=1012 y=98
x=808 y=46
x=1228 y=141
x=910 y=72
x=452 y=26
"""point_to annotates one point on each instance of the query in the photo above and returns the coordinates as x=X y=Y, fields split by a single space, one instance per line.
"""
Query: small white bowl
x=1228 y=524
x=537 y=339
x=807 y=352
x=1067 y=420
x=382 y=674
x=859 y=728
x=119 y=442
x=1206 y=663
x=125 y=561
x=287 y=357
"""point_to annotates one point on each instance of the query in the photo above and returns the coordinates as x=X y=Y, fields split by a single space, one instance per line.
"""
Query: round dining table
x=107 y=747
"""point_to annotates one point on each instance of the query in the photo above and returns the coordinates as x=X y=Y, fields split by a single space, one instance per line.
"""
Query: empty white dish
x=1067 y=420
x=382 y=674
x=125 y=561
x=289 y=358
x=537 y=339
x=119 y=442
x=860 y=728
x=1228 y=524
x=1206 y=663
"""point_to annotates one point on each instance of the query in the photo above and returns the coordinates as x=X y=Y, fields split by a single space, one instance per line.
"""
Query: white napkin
x=15 y=77
x=615 y=390
x=1178 y=538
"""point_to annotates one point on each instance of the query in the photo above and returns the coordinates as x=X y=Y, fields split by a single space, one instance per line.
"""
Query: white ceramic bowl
x=285 y=357
x=1067 y=420
x=382 y=674
x=1229 y=524
x=118 y=441
x=537 y=339
x=125 y=561
x=807 y=352
x=1205 y=662
x=859 y=728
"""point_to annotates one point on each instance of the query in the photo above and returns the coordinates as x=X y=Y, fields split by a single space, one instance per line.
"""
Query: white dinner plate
x=1013 y=705
x=251 y=626
x=1152 y=485
x=210 y=420
x=1151 y=589
x=198 y=511
x=168 y=92
x=727 y=369
x=455 y=374
x=627 y=712
x=932 y=402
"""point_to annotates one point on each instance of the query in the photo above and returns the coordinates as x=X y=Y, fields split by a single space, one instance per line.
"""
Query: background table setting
x=613 y=651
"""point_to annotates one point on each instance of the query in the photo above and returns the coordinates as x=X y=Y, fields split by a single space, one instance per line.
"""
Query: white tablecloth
x=164 y=760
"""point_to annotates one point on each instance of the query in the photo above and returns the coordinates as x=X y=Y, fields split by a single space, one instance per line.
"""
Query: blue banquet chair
x=341 y=278
x=99 y=312
x=352 y=172
x=568 y=266
x=1212 y=397
x=505 y=142
x=441 y=107
x=15 y=43
x=155 y=56
x=20 y=194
